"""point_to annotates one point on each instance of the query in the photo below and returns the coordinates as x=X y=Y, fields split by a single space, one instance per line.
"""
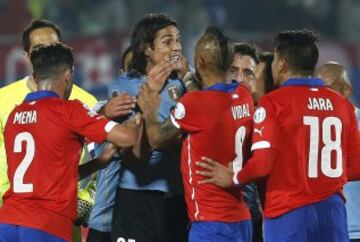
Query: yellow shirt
x=12 y=95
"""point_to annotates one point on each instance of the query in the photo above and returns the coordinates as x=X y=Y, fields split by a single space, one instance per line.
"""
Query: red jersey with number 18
x=43 y=140
x=217 y=124
x=314 y=132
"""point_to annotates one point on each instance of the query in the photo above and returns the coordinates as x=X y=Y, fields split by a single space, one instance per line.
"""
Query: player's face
x=166 y=45
x=242 y=70
x=43 y=36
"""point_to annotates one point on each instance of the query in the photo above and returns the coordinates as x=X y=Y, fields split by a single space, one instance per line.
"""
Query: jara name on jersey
x=323 y=104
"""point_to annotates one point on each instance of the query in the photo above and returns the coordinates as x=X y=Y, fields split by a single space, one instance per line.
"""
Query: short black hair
x=143 y=35
x=267 y=58
x=50 y=60
x=37 y=24
x=299 y=49
x=127 y=51
x=247 y=49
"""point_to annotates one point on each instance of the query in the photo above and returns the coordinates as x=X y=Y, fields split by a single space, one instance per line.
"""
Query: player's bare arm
x=125 y=135
x=99 y=163
x=141 y=151
x=160 y=135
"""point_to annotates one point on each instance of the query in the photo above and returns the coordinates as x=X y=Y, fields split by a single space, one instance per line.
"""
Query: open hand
x=215 y=172
x=159 y=73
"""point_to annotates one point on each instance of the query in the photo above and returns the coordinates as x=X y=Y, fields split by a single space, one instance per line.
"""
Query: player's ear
x=282 y=65
x=148 y=50
x=68 y=77
x=347 y=91
x=35 y=78
x=201 y=63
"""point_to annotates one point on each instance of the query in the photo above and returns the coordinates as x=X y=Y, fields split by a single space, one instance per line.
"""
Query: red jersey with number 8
x=217 y=124
x=43 y=141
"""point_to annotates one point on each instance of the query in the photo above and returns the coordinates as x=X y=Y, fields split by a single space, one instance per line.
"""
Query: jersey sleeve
x=188 y=114
x=353 y=152
x=266 y=127
x=88 y=123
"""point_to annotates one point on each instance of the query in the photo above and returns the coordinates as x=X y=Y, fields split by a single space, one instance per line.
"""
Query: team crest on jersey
x=179 y=111
x=173 y=92
x=259 y=115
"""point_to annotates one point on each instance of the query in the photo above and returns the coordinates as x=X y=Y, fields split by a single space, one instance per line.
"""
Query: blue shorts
x=219 y=231
x=15 y=233
x=324 y=221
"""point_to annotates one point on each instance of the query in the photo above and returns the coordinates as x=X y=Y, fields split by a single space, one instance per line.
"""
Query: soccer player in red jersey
x=337 y=78
x=216 y=120
x=304 y=143
x=43 y=139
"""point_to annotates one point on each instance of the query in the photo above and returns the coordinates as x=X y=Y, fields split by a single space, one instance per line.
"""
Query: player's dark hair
x=247 y=49
x=299 y=49
x=37 y=24
x=50 y=60
x=143 y=36
x=267 y=58
x=215 y=48
x=127 y=51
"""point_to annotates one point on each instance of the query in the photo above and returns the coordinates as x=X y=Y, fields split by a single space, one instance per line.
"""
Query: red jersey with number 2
x=217 y=124
x=43 y=141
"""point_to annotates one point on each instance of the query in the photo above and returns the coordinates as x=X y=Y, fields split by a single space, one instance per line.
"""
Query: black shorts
x=148 y=216
x=98 y=236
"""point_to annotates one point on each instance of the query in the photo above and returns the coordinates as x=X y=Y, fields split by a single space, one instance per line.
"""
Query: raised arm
x=160 y=135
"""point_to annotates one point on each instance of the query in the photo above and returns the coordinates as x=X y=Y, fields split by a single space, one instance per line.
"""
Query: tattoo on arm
x=161 y=135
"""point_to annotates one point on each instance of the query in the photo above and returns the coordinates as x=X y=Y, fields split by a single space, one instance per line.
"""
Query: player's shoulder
x=126 y=83
x=83 y=96
x=243 y=92
x=13 y=88
x=72 y=103
x=193 y=95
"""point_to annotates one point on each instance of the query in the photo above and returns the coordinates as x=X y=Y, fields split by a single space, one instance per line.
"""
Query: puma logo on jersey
x=27 y=117
x=319 y=104
x=259 y=131
x=240 y=111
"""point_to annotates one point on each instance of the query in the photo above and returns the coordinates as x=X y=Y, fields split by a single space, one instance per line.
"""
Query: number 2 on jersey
x=18 y=182
x=329 y=123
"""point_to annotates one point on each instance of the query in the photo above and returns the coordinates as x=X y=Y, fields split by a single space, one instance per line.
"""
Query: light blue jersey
x=352 y=195
x=161 y=172
x=106 y=182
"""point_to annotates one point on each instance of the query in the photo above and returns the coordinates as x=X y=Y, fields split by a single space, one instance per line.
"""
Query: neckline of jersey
x=37 y=95
x=223 y=87
x=314 y=82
